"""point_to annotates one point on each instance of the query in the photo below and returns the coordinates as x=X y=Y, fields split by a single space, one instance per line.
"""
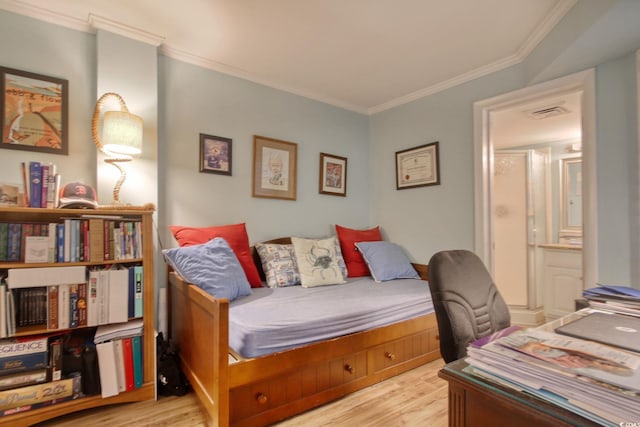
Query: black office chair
x=467 y=303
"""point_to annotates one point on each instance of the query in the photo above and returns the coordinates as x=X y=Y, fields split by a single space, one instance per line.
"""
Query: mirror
x=571 y=196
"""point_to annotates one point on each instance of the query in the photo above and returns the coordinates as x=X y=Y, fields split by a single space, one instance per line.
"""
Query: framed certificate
x=418 y=166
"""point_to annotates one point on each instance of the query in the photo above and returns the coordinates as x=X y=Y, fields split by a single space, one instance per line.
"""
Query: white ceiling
x=363 y=55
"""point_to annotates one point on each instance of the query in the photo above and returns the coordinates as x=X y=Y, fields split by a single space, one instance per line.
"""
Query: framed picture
x=333 y=175
x=418 y=166
x=10 y=195
x=275 y=165
x=215 y=154
x=34 y=112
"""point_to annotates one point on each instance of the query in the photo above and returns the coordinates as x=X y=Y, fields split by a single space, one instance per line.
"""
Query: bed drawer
x=254 y=398
x=395 y=352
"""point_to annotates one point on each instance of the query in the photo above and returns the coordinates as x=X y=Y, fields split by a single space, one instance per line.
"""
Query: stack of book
x=601 y=383
x=616 y=298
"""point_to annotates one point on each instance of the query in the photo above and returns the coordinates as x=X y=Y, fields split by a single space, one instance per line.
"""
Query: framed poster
x=34 y=112
x=333 y=175
x=275 y=166
x=215 y=154
x=418 y=166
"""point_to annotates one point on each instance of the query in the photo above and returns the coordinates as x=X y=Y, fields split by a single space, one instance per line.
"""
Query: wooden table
x=477 y=402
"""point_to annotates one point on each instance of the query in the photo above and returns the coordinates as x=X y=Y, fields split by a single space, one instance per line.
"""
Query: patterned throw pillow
x=279 y=264
x=319 y=261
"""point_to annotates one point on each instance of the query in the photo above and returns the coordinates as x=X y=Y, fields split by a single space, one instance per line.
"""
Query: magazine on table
x=601 y=362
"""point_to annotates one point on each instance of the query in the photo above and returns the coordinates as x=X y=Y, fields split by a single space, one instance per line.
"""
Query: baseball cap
x=78 y=195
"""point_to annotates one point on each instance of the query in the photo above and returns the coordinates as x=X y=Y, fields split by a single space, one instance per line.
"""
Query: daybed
x=239 y=391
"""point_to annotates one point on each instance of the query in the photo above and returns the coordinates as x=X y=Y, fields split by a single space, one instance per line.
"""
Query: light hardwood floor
x=415 y=398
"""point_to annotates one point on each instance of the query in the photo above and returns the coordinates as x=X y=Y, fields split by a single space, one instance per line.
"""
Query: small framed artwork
x=275 y=165
x=215 y=154
x=333 y=175
x=33 y=112
x=418 y=166
x=10 y=195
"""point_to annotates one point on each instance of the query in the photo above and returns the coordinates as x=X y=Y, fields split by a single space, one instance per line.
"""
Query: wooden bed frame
x=255 y=392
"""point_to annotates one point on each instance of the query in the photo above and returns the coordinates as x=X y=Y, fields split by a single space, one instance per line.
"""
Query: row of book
x=73 y=240
x=69 y=300
x=43 y=186
x=120 y=357
x=598 y=382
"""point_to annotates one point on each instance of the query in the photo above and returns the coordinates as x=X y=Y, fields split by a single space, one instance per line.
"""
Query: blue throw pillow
x=211 y=266
x=386 y=261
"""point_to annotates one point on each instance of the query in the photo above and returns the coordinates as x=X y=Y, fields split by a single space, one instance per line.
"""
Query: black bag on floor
x=171 y=380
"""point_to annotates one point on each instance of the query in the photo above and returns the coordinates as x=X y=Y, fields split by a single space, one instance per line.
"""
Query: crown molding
x=525 y=49
x=45 y=15
x=95 y=22
x=99 y=23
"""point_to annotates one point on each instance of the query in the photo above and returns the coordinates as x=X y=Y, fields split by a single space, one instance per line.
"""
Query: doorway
x=529 y=307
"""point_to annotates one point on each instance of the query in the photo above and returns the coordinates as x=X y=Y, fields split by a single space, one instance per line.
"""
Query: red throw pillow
x=235 y=235
x=356 y=266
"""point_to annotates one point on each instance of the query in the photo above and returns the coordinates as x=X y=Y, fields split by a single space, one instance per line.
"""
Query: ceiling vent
x=546 y=112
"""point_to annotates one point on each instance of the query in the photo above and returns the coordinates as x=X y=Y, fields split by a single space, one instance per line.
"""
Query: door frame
x=583 y=82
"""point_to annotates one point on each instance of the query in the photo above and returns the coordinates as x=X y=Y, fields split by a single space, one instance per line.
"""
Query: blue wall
x=193 y=100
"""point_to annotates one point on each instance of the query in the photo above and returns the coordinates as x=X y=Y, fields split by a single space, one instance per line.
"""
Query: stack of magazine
x=599 y=382
x=616 y=298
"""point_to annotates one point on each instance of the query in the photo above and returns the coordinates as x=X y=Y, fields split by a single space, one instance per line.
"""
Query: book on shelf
x=14 y=241
x=36 y=249
x=119 y=357
x=107 y=369
x=37 y=276
x=136 y=350
x=64 y=314
x=4 y=241
x=52 y=307
x=55 y=343
x=44 y=184
x=127 y=349
x=82 y=304
x=139 y=288
x=35 y=184
x=92 y=298
x=73 y=306
x=3 y=308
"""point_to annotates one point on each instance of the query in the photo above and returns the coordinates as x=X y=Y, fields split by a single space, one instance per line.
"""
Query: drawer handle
x=261 y=398
x=389 y=356
x=349 y=368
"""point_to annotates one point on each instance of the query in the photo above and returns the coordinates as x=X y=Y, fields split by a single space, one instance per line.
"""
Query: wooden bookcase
x=148 y=390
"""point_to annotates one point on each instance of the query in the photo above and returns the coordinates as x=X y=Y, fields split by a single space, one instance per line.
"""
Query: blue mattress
x=272 y=320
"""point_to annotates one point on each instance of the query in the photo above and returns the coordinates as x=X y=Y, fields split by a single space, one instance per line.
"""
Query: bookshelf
x=144 y=215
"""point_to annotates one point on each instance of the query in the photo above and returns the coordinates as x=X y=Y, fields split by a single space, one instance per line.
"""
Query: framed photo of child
x=215 y=154
x=275 y=166
x=333 y=175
